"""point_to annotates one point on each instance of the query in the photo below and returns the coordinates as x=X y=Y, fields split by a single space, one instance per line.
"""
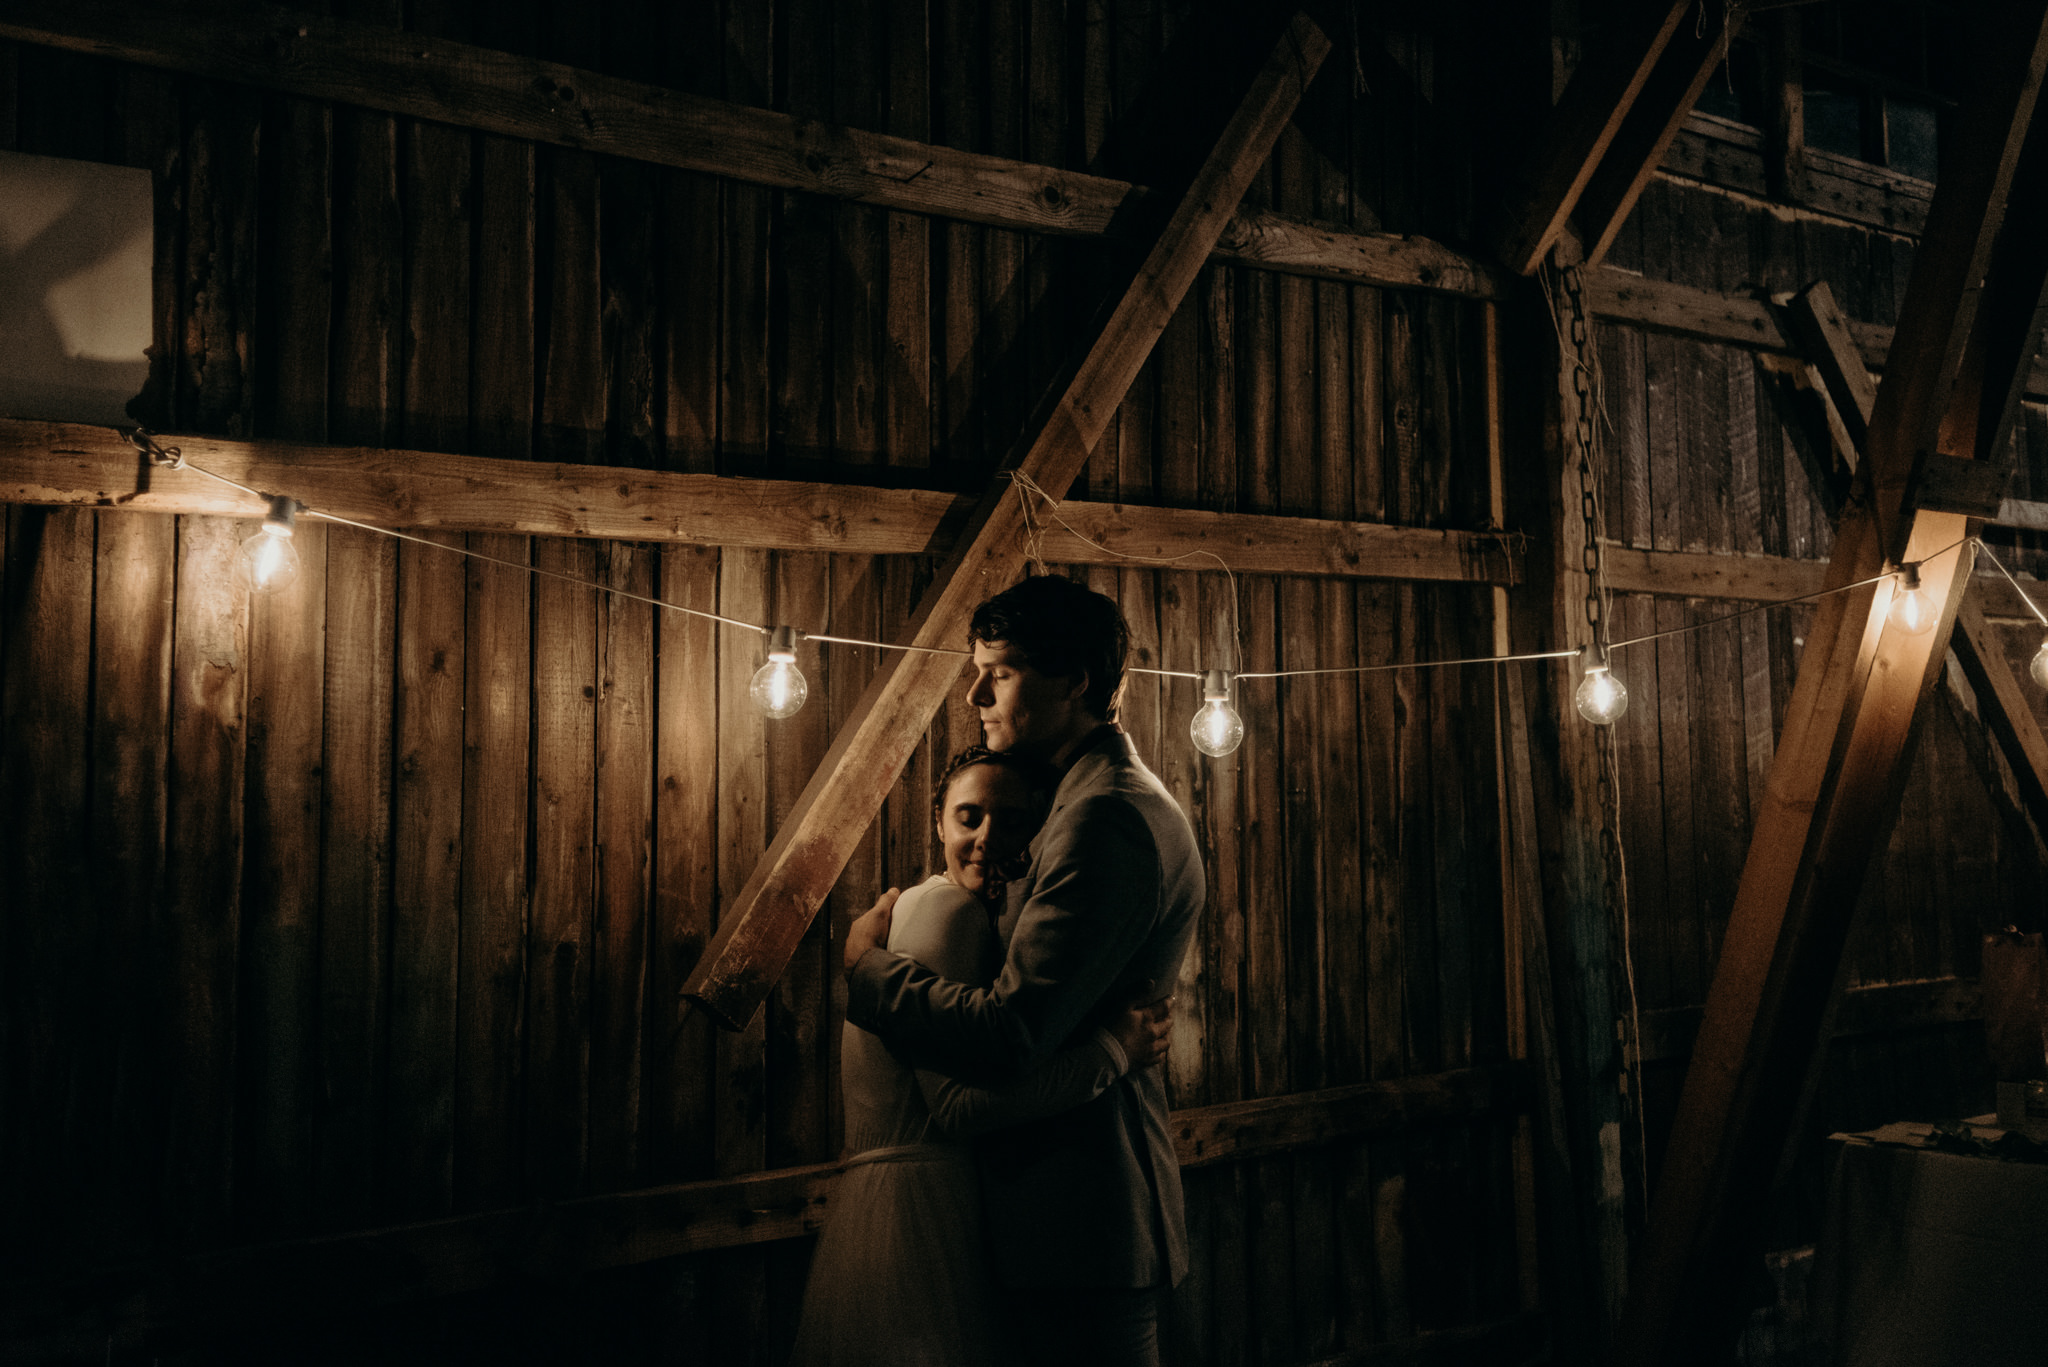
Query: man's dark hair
x=1064 y=629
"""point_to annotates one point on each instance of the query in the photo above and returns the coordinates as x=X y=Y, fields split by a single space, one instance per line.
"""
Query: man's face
x=1020 y=708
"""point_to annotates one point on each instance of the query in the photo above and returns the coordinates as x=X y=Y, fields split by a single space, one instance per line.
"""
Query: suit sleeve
x=952 y=938
x=1095 y=895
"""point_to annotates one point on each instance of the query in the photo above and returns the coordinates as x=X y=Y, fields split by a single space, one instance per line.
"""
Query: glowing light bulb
x=269 y=560
x=2038 y=666
x=1216 y=729
x=1911 y=611
x=778 y=688
x=1602 y=698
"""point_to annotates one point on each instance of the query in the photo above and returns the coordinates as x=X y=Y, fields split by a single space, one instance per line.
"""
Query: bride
x=899 y=1276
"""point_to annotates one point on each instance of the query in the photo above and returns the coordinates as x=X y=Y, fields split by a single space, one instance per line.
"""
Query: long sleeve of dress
x=952 y=937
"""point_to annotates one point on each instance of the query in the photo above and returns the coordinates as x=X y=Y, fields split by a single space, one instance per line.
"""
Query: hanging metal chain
x=1613 y=870
x=1585 y=433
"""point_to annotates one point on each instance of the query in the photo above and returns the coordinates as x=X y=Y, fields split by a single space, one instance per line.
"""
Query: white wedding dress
x=899 y=1278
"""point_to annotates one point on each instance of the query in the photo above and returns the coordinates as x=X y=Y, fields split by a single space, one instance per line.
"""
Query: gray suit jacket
x=1090 y=1197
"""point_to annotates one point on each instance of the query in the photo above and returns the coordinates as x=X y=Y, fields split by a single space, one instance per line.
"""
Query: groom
x=1084 y=1212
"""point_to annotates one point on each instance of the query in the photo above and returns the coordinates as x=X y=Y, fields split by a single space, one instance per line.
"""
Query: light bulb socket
x=782 y=644
x=283 y=515
x=1909 y=577
x=1216 y=685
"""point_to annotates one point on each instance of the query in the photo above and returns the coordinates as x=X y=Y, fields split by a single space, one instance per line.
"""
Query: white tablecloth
x=1929 y=1258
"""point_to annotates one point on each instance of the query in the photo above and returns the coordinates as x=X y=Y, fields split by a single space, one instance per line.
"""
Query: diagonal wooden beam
x=2003 y=706
x=70 y=465
x=759 y=929
x=1822 y=332
x=1585 y=122
x=2007 y=326
x=1652 y=121
x=424 y=77
x=1839 y=767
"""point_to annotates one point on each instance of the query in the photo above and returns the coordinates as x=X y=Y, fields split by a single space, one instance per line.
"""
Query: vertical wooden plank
x=681 y=1052
x=629 y=260
x=202 y=876
x=45 y=677
x=798 y=1080
x=281 y=896
x=132 y=585
x=215 y=389
x=625 y=734
x=356 y=744
x=427 y=798
x=282 y=875
x=855 y=613
x=497 y=648
x=740 y=1097
x=907 y=324
x=559 y=948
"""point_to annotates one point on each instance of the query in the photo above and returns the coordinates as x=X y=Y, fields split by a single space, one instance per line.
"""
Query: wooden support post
x=1784 y=109
x=1652 y=122
x=1587 y=118
x=1839 y=766
x=759 y=931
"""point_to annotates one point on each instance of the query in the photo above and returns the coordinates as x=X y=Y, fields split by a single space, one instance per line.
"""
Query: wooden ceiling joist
x=758 y=931
x=1839 y=767
x=95 y=467
x=1650 y=124
x=496 y=92
x=1588 y=116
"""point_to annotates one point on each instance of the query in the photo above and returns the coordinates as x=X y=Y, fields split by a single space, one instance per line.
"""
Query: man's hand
x=872 y=929
x=1144 y=1029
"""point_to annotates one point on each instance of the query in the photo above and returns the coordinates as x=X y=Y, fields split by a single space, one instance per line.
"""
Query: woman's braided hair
x=1033 y=772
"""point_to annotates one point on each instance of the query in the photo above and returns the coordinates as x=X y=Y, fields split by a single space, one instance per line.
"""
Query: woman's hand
x=871 y=929
x=1143 y=1030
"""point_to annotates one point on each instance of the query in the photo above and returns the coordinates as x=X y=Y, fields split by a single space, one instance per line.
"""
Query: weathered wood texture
x=1838 y=773
x=390 y=886
x=1709 y=501
x=67 y=465
x=432 y=78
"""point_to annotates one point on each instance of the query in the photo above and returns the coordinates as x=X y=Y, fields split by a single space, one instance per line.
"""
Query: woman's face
x=987 y=819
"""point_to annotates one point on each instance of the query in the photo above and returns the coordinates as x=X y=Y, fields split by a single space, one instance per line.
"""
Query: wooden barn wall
x=369 y=903
x=1700 y=461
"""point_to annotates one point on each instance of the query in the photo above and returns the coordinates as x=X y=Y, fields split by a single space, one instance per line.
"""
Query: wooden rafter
x=1588 y=116
x=94 y=467
x=760 y=928
x=1651 y=122
x=496 y=92
x=1839 y=766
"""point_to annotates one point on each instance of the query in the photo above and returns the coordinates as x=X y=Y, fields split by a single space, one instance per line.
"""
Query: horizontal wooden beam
x=1248 y=1129
x=1877 y=1008
x=1769 y=579
x=68 y=464
x=134 y=1306
x=1616 y=296
x=518 y=97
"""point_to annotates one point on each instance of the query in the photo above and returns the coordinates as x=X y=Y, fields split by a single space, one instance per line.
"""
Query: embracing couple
x=1011 y=1192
